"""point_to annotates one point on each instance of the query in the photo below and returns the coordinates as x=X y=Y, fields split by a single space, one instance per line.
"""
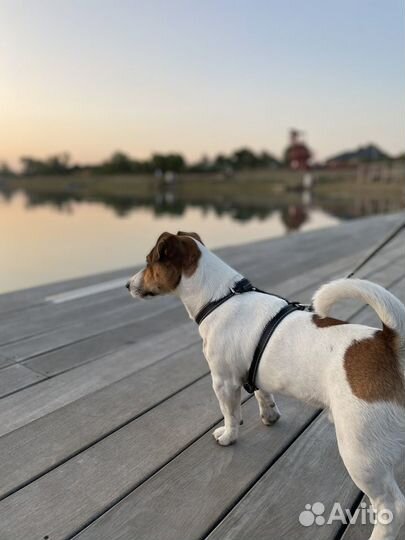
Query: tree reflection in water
x=294 y=206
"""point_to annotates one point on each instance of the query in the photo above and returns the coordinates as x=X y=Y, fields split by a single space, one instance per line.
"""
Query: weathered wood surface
x=105 y=424
x=332 y=484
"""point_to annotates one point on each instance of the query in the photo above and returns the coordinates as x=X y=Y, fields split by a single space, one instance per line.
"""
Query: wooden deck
x=107 y=410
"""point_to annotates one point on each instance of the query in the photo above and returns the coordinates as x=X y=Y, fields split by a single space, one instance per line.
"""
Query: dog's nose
x=128 y=284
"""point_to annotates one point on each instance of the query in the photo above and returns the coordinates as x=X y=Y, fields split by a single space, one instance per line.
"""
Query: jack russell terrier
x=356 y=371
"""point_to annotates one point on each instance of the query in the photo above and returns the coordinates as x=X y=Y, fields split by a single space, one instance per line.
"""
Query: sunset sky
x=93 y=76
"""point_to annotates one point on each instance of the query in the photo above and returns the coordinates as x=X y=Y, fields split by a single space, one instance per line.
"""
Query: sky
x=94 y=76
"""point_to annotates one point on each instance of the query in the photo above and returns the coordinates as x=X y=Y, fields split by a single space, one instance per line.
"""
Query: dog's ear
x=168 y=247
x=192 y=234
x=178 y=250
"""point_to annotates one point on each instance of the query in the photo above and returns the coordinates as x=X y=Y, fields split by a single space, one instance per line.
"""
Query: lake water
x=42 y=241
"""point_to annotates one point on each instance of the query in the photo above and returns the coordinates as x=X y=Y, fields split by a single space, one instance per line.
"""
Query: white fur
x=306 y=362
x=387 y=306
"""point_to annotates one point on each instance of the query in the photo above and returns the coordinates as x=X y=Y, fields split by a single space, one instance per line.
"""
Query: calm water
x=43 y=241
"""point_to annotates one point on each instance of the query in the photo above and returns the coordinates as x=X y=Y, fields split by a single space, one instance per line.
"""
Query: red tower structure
x=297 y=154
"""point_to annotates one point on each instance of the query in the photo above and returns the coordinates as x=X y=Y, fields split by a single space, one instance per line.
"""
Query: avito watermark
x=315 y=514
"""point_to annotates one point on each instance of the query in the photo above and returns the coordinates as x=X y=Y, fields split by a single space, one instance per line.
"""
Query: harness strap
x=240 y=287
x=250 y=384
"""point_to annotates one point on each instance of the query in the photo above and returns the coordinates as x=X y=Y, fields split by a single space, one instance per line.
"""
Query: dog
x=355 y=371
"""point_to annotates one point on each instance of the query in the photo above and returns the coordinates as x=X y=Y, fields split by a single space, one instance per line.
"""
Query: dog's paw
x=217 y=433
x=223 y=437
x=270 y=420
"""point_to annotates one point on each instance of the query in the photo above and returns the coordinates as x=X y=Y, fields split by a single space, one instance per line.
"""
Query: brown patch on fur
x=325 y=322
x=373 y=368
x=169 y=259
x=192 y=234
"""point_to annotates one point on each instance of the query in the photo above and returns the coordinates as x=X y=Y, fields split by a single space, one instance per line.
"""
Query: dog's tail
x=389 y=309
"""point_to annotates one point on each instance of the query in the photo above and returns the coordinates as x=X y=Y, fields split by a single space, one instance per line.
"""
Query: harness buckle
x=242 y=286
x=302 y=307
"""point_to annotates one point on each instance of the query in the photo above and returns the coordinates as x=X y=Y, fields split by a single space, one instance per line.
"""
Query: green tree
x=58 y=164
x=168 y=162
x=5 y=171
x=119 y=163
x=245 y=159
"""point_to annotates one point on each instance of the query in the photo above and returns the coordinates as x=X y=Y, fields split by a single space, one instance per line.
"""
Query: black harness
x=244 y=286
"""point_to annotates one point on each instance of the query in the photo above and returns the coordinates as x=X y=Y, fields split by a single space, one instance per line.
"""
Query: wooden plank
x=69 y=462
x=193 y=489
x=275 y=503
x=105 y=472
x=329 y=249
x=98 y=323
x=84 y=351
x=22 y=299
x=38 y=319
x=4 y=362
x=338 y=269
x=51 y=394
x=345 y=238
x=43 y=444
x=143 y=445
x=16 y=377
x=184 y=478
x=122 y=437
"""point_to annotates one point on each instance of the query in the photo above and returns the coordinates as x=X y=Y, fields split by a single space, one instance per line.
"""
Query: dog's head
x=173 y=256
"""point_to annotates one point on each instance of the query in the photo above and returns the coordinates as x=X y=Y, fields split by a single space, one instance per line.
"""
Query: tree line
x=121 y=163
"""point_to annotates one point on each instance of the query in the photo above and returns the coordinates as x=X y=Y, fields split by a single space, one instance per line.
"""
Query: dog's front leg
x=269 y=412
x=229 y=397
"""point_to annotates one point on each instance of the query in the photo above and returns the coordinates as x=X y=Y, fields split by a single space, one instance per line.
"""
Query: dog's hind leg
x=387 y=500
x=229 y=397
x=370 y=447
x=269 y=412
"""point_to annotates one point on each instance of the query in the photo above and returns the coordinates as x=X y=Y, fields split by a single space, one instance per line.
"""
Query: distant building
x=297 y=154
x=363 y=154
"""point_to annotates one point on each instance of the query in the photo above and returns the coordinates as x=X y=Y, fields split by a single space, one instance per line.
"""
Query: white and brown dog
x=356 y=371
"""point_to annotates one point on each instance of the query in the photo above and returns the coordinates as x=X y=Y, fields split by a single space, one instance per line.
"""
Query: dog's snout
x=128 y=284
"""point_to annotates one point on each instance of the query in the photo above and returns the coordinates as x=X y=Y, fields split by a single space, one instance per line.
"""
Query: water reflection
x=55 y=230
x=241 y=205
x=42 y=243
